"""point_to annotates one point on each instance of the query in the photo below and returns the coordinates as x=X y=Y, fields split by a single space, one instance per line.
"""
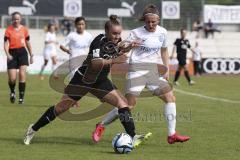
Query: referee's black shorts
x=77 y=88
x=182 y=61
x=20 y=58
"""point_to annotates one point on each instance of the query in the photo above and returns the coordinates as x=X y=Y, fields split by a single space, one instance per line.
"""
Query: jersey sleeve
x=67 y=40
x=7 y=34
x=26 y=34
x=90 y=39
x=165 y=41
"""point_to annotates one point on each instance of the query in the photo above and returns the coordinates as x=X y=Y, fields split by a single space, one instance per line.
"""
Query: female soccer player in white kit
x=143 y=72
x=76 y=45
x=50 y=50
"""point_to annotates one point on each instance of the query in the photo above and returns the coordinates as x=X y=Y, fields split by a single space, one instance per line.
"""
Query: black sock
x=187 y=76
x=21 y=87
x=46 y=118
x=177 y=76
x=126 y=119
x=12 y=86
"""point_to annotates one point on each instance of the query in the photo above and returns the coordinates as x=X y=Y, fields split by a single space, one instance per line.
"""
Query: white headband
x=151 y=14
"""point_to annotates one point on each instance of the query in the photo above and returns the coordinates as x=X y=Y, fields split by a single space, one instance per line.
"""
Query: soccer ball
x=122 y=143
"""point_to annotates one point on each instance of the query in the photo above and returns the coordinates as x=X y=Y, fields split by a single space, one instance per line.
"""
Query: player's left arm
x=165 y=59
x=28 y=45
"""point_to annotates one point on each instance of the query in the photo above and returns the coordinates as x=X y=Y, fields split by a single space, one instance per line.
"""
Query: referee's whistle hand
x=31 y=60
x=9 y=58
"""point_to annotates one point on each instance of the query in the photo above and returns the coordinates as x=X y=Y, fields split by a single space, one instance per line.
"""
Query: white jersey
x=50 y=49
x=150 y=49
x=196 y=54
x=78 y=43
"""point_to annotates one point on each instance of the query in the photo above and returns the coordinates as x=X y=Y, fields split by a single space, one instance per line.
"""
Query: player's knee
x=12 y=79
x=122 y=104
x=168 y=97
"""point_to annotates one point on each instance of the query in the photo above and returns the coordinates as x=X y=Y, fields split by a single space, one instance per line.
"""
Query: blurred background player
x=92 y=77
x=197 y=58
x=143 y=72
x=182 y=44
x=50 y=50
x=66 y=26
x=76 y=44
x=16 y=40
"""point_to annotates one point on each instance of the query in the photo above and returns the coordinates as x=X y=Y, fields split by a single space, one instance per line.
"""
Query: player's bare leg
x=170 y=114
x=51 y=113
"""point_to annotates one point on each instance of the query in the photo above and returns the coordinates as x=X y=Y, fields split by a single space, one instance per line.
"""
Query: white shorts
x=49 y=53
x=144 y=75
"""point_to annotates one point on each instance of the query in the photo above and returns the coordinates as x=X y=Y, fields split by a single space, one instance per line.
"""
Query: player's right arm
x=6 y=45
x=65 y=43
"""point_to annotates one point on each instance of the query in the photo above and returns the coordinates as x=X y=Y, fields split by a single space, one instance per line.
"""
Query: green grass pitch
x=212 y=124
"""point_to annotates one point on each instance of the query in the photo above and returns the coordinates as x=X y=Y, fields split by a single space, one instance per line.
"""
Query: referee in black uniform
x=182 y=44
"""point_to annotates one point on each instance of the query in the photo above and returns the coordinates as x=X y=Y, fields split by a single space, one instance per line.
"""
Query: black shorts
x=181 y=61
x=76 y=88
x=20 y=58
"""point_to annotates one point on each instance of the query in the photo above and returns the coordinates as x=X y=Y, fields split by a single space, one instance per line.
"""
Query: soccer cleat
x=192 y=82
x=29 y=135
x=20 y=101
x=138 y=139
x=176 y=83
x=177 y=138
x=41 y=77
x=98 y=132
x=12 y=97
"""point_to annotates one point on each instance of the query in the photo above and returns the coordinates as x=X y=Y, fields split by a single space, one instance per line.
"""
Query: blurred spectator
x=66 y=26
x=197 y=26
x=210 y=28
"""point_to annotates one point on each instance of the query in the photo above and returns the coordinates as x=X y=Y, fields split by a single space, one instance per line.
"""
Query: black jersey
x=101 y=48
x=182 y=46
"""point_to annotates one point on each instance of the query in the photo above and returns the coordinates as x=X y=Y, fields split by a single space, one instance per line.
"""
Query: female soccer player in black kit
x=92 y=77
x=182 y=44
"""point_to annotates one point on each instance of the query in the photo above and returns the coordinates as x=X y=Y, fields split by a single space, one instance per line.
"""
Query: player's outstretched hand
x=9 y=57
x=126 y=46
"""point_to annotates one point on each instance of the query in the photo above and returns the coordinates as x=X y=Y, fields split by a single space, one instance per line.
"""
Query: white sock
x=110 y=117
x=170 y=114
x=54 y=67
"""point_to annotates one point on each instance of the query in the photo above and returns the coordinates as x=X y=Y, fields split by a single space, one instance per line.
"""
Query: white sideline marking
x=206 y=97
